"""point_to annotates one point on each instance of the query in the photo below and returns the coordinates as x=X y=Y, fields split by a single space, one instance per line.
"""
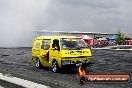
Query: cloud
x=19 y=16
x=89 y=15
x=92 y=3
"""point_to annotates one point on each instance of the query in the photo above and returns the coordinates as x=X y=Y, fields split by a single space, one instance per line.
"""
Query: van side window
x=46 y=44
x=37 y=45
x=55 y=43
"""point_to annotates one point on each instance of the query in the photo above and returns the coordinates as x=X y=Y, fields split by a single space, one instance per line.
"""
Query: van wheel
x=38 y=63
x=55 y=67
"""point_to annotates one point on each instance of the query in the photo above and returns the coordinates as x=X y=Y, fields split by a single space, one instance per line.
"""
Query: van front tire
x=55 y=66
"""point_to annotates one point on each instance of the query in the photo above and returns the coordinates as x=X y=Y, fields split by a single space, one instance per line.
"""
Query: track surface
x=17 y=62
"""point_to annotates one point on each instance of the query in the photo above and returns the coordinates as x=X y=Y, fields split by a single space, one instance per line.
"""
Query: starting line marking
x=21 y=82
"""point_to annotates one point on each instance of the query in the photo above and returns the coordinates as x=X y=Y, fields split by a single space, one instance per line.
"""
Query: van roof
x=57 y=37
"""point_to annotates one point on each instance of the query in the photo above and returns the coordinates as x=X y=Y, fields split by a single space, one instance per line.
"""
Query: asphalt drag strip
x=17 y=62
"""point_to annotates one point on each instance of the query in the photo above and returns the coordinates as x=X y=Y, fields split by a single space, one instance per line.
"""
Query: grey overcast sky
x=104 y=16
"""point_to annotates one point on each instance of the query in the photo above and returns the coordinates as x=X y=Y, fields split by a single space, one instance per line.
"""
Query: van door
x=45 y=50
x=55 y=49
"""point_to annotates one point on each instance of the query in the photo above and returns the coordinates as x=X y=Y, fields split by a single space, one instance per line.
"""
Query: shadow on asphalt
x=67 y=71
x=63 y=71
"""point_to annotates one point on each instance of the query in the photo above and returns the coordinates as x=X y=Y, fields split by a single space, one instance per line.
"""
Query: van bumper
x=74 y=64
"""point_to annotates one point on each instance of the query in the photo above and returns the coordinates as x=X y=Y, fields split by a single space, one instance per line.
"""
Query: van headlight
x=65 y=62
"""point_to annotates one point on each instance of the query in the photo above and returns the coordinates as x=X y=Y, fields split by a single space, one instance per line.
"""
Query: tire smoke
x=18 y=21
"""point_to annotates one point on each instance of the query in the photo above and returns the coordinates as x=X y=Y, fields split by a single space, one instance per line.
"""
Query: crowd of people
x=105 y=41
x=127 y=42
x=100 y=43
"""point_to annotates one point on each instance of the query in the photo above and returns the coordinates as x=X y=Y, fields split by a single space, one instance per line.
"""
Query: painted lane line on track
x=21 y=82
x=123 y=49
x=1 y=87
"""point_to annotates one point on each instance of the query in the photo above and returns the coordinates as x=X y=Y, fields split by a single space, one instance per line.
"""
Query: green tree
x=120 y=38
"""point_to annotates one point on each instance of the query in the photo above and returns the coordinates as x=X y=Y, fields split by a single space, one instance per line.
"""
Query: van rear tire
x=38 y=63
x=55 y=66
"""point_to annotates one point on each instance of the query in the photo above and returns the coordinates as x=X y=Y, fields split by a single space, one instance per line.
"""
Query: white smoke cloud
x=18 y=18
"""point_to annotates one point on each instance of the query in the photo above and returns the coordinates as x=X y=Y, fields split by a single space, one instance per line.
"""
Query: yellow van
x=60 y=51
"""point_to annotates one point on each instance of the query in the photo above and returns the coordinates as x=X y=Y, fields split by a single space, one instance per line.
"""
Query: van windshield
x=72 y=43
